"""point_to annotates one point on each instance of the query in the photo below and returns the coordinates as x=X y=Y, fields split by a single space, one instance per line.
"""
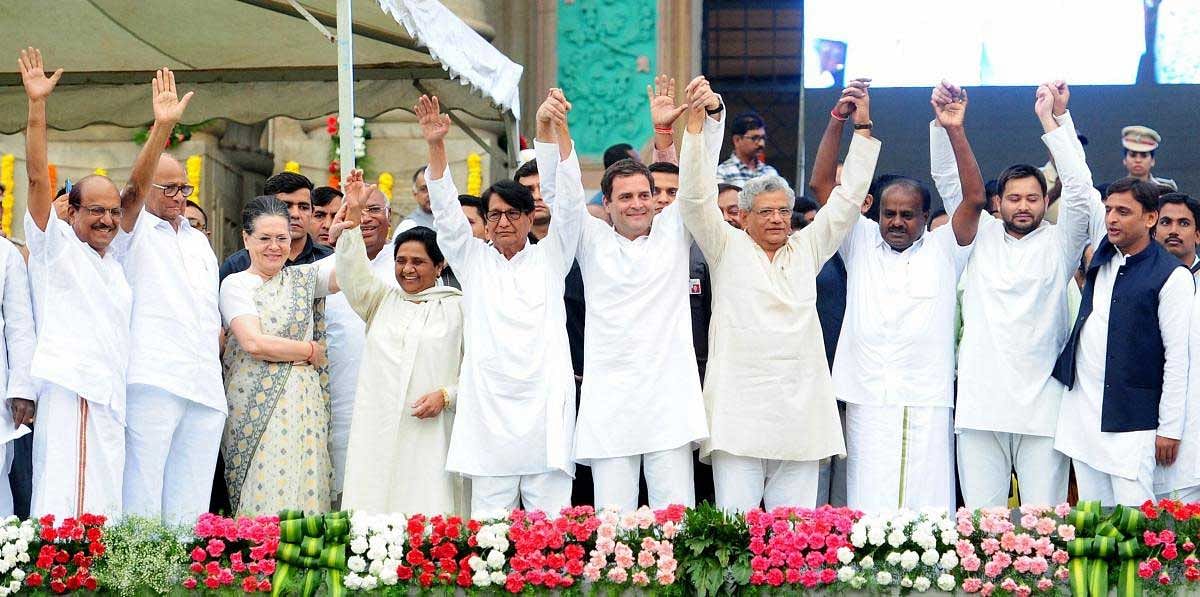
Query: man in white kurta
x=1015 y=322
x=19 y=341
x=770 y=404
x=516 y=397
x=640 y=405
x=346 y=334
x=894 y=365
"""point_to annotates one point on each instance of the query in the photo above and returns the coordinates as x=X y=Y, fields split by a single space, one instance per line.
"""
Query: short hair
x=527 y=169
x=1017 y=172
x=471 y=201
x=625 y=167
x=286 y=182
x=262 y=206
x=512 y=193
x=873 y=191
x=196 y=206
x=423 y=235
x=805 y=204
x=616 y=153
x=991 y=188
x=1144 y=192
x=417 y=173
x=910 y=184
x=747 y=121
x=1181 y=199
x=724 y=186
x=664 y=167
x=764 y=184
x=322 y=196
x=75 y=197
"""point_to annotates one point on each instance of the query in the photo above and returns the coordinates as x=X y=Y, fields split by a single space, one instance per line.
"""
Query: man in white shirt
x=1123 y=411
x=346 y=330
x=81 y=306
x=1014 y=312
x=640 y=406
x=175 y=400
x=770 y=404
x=18 y=343
x=516 y=396
x=1176 y=231
x=894 y=365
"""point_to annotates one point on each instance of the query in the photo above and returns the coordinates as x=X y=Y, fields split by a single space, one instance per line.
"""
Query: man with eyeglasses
x=515 y=421
x=749 y=138
x=296 y=191
x=770 y=403
x=82 y=303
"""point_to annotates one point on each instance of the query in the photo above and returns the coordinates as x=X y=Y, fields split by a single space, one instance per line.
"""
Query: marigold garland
x=291 y=166
x=386 y=183
x=7 y=162
x=195 y=168
x=474 y=174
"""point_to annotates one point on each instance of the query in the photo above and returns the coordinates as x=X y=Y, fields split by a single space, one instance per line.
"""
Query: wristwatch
x=866 y=125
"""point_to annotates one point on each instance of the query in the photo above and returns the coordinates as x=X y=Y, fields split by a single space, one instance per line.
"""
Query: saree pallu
x=277 y=434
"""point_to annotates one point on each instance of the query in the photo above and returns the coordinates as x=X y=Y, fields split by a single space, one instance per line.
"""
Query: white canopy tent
x=247 y=61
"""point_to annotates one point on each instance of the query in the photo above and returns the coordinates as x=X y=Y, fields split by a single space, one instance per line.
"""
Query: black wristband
x=720 y=107
x=863 y=126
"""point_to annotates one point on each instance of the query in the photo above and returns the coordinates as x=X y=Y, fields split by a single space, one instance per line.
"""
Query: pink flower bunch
x=635 y=548
x=1020 y=558
x=1170 y=542
x=798 y=546
x=549 y=552
x=232 y=552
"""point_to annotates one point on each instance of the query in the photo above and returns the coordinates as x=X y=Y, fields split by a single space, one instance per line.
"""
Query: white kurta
x=81 y=303
x=397 y=462
x=1078 y=433
x=516 y=407
x=1185 y=472
x=345 y=335
x=20 y=339
x=767 y=388
x=1014 y=305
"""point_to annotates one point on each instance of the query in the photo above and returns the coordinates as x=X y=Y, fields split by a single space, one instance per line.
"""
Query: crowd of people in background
x=695 y=331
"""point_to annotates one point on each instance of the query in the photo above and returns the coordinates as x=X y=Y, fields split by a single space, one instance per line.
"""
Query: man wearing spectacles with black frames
x=749 y=139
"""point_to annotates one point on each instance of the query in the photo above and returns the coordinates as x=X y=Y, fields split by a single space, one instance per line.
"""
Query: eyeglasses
x=97 y=211
x=512 y=215
x=766 y=212
x=170 y=190
x=374 y=210
x=733 y=210
x=757 y=138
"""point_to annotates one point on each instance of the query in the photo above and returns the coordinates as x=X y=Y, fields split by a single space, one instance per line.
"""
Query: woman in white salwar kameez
x=400 y=431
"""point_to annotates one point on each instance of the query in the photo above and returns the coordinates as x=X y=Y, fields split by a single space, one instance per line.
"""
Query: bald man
x=175 y=401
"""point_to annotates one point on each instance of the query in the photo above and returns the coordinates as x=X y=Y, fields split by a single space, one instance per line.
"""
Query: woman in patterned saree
x=277 y=435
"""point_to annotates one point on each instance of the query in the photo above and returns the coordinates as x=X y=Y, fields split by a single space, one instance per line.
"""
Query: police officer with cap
x=1140 y=142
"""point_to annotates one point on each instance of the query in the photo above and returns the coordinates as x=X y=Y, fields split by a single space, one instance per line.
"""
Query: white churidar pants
x=899 y=457
x=78 y=456
x=986 y=460
x=495 y=497
x=668 y=479
x=171 y=449
x=1111 y=489
x=743 y=483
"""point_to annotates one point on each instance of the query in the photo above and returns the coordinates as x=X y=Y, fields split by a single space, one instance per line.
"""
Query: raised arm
x=566 y=202
x=1079 y=199
x=951 y=116
x=824 y=172
x=168 y=109
x=361 y=288
x=454 y=231
x=697 y=195
x=663 y=114
x=37 y=165
x=943 y=167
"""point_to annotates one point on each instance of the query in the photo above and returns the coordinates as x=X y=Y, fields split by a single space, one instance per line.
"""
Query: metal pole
x=345 y=48
x=800 y=158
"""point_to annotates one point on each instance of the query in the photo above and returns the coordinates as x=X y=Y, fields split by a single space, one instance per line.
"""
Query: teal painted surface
x=606 y=57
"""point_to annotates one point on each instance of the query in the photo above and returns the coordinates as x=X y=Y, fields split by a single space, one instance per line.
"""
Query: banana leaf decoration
x=1101 y=542
x=315 y=546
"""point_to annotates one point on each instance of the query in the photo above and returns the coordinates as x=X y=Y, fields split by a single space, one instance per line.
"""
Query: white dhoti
x=669 y=479
x=744 y=483
x=1110 y=489
x=899 y=457
x=78 y=456
x=171 y=449
x=1186 y=495
x=495 y=497
x=987 y=459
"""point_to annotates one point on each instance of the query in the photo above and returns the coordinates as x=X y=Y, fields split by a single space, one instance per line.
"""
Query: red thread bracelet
x=833 y=113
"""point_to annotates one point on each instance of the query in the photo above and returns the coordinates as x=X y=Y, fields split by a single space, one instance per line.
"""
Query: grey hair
x=764 y=184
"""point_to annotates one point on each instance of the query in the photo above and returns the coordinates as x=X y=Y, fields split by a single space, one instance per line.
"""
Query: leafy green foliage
x=713 y=552
x=143 y=556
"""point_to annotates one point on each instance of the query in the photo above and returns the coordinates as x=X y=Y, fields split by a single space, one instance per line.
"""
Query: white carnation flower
x=476 y=563
x=845 y=573
x=356 y=563
x=18 y=574
x=388 y=576
x=858 y=538
x=909 y=560
x=892 y=558
x=481 y=578
x=930 y=558
x=883 y=578
x=867 y=563
x=368 y=583
x=906 y=582
x=23 y=557
x=949 y=561
x=844 y=555
x=358 y=545
x=376 y=567
x=876 y=536
x=858 y=582
x=495 y=559
x=921 y=584
x=498 y=577
x=377 y=542
x=896 y=538
x=945 y=582
x=352 y=581
x=395 y=551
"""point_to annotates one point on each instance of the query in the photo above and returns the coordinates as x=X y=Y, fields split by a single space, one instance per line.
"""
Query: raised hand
x=1043 y=102
x=859 y=99
x=37 y=85
x=663 y=111
x=168 y=107
x=434 y=124
x=699 y=98
x=1061 y=94
x=952 y=113
x=553 y=109
x=845 y=106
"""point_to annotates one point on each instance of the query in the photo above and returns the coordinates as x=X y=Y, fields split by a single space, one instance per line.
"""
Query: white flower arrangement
x=376 y=548
x=492 y=541
x=15 y=537
x=905 y=549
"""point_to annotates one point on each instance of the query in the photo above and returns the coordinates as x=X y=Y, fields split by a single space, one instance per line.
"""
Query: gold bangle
x=445 y=398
